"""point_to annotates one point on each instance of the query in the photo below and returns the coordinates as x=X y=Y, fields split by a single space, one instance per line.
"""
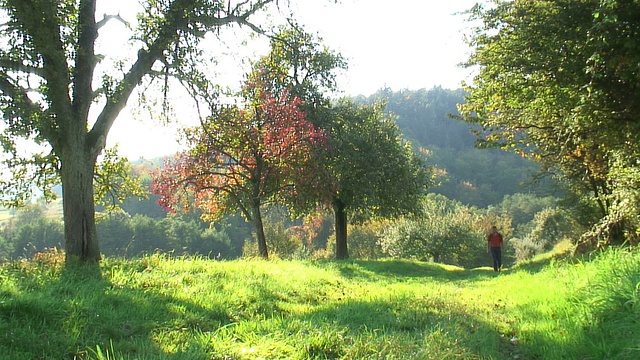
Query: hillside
x=478 y=177
x=188 y=308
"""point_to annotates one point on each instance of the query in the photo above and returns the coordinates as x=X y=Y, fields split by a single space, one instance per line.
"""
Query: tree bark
x=76 y=172
x=260 y=236
x=340 y=214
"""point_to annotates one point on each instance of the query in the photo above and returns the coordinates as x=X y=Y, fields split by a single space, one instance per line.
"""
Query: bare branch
x=106 y=18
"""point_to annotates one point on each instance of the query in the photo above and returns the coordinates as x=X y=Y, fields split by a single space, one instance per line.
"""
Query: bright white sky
x=400 y=44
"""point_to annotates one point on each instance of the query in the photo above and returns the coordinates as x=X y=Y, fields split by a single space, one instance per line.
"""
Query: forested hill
x=473 y=176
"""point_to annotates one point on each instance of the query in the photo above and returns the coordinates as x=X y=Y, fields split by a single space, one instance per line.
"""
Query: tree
x=48 y=91
x=376 y=171
x=242 y=158
x=558 y=81
x=279 y=150
x=301 y=65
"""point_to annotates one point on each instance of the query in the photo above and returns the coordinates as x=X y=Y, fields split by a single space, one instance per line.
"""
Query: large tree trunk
x=77 y=170
x=340 y=214
x=260 y=236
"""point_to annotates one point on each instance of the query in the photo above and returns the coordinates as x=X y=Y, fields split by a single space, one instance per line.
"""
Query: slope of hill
x=189 y=308
x=473 y=176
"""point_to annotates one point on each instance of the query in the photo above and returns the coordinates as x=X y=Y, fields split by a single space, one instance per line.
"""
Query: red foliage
x=265 y=152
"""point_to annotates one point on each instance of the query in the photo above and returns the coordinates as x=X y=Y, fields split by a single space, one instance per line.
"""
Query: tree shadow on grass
x=38 y=310
x=69 y=314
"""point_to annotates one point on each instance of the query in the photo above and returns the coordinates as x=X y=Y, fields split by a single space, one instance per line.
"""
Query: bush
x=280 y=241
x=216 y=243
x=32 y=232
x=363 y=241
x=549 y=227
x=446 y=231
x=527 y=248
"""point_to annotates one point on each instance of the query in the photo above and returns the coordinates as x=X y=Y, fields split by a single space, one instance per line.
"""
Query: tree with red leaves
x=241 y=158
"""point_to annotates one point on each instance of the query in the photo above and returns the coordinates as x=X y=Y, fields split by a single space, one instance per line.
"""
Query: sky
x=400 y=44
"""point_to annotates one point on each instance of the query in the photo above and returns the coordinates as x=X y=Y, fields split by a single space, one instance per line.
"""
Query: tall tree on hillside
x=50 y=92
x=376 y=171
x=241 y=158
x=560 y=81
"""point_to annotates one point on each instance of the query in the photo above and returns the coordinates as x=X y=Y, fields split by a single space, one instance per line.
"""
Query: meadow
x=164 y=307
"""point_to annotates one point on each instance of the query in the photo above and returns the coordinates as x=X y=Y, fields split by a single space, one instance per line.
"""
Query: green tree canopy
x=560 y=81
x=377 y=172
x=301 y=64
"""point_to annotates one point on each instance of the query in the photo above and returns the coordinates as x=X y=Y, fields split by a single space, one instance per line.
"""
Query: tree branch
x=20 y=67
x=85 y=59
x=27 y=109
x=106 y=18
x=39 y=24
x=146 y=58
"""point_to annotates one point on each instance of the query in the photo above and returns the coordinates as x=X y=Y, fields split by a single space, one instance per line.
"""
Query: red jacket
x=495 y=239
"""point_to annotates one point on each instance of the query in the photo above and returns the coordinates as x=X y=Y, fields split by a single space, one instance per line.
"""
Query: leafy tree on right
x=559 y=81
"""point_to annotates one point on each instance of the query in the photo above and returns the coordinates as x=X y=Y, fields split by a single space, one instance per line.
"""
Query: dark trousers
x=496 y=254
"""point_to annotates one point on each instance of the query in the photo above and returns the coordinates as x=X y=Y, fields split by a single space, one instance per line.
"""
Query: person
x=495 y=242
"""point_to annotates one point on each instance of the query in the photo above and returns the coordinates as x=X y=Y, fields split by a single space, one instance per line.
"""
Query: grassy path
x=167 y=308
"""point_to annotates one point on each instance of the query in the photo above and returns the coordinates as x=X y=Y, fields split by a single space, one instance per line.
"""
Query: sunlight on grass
x=162 y=307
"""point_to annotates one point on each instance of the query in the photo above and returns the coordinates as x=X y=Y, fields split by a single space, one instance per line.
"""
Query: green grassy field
x=160 y=307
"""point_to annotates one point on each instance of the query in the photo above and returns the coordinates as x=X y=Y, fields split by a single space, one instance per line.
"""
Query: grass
x=161 y=307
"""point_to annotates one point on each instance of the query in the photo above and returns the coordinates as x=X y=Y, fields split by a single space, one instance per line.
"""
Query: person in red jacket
x=495 y=241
